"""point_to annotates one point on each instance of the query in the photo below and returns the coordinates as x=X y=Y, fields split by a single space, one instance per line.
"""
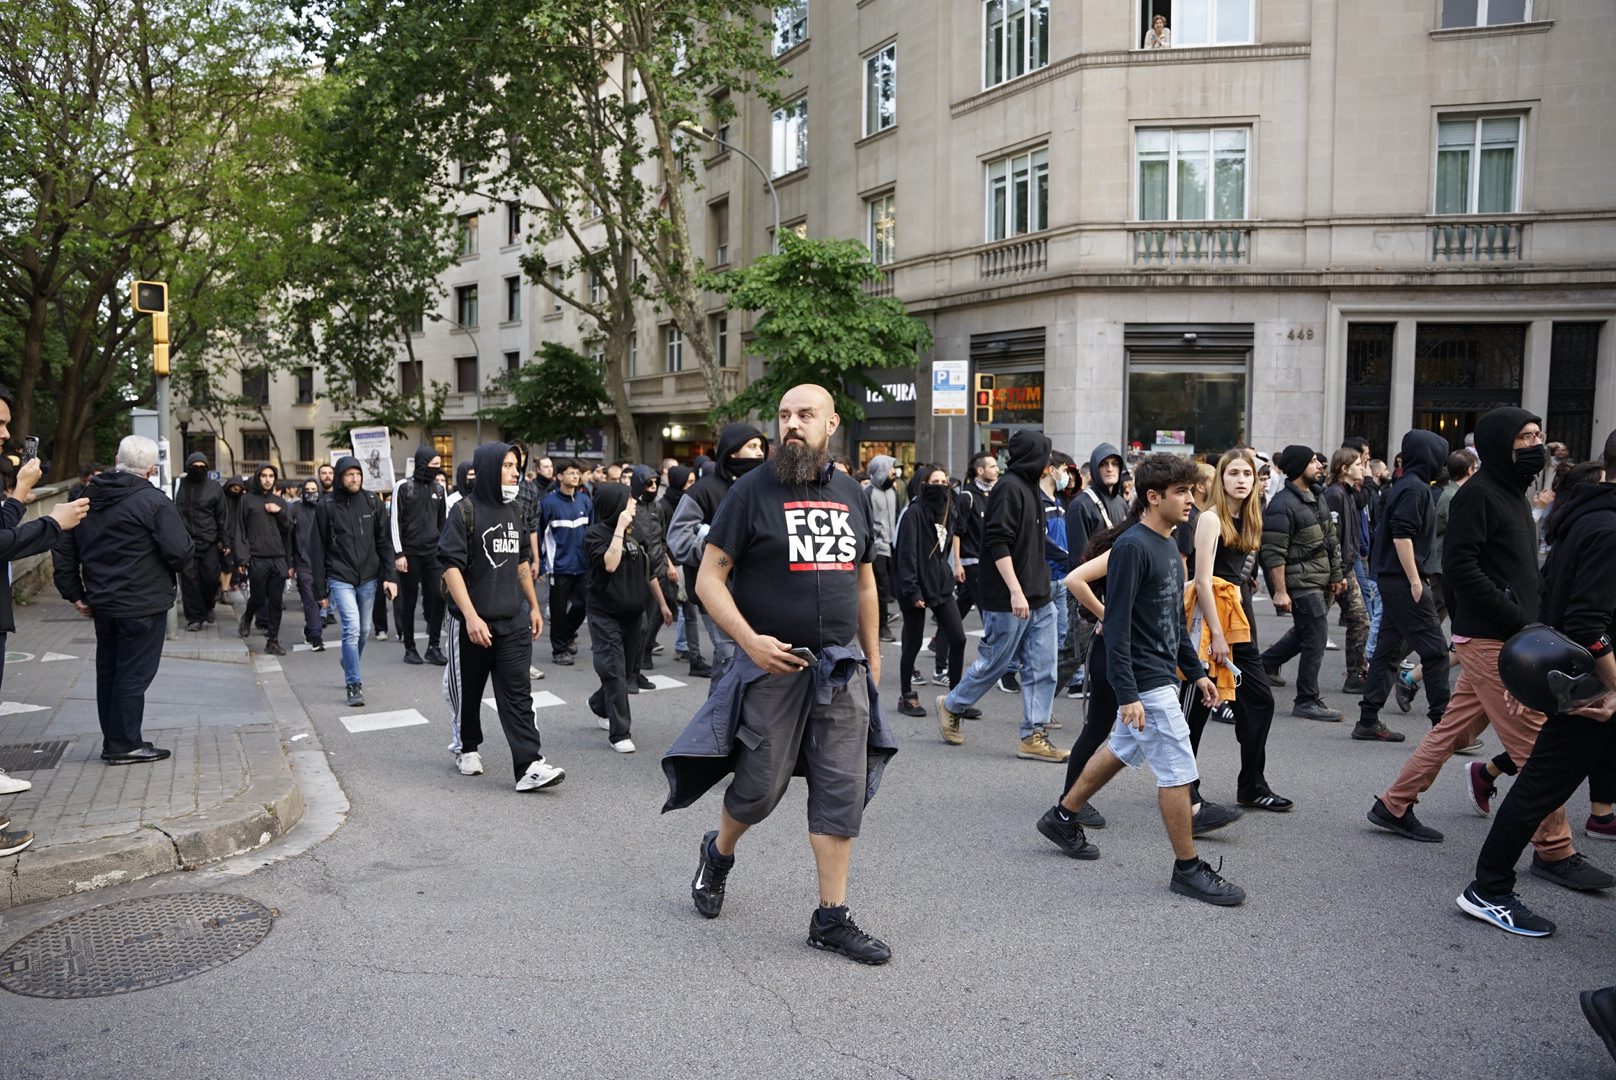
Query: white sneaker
x=540 y=774
x=624 y=746
x=534 y=673
x=603 y=723
x=1331 y=646
x=10 y=785
x=470 y=763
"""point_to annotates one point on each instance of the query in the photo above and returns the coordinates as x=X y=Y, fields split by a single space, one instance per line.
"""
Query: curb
x=271 y=805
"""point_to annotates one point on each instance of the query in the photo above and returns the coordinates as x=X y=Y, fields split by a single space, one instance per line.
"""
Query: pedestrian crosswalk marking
x=11 y=708
x=53 y=656
x=542 y=699
x=379 y=721
x=664 y=683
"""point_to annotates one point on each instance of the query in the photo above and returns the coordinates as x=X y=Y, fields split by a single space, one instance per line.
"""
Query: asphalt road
x=454 y=927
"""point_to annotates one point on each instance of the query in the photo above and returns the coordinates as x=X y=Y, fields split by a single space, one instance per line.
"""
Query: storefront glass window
x=1185 y=408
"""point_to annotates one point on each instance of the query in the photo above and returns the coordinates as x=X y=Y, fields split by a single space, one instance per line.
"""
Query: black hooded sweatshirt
x=700 y=503
x=922 y=566
x=201 y=503
x=649 y=528
x=1489 y=554
x=1015 y=527
x=418 y=507
x=1410 y=510
x=260 y=534
x=621 y=591
x=122 y=559
x=1579 y=580
x=355 y=544
x=482 y=539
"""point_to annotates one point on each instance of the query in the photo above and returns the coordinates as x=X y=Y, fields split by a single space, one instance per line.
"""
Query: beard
x=797 y=463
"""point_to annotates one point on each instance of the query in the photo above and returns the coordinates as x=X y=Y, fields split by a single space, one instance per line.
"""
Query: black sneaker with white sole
x=1090 y=818
x=1506 y=912
x=1201 y=882
x=712 y=873
x=833 y=930
x=1407 y=826
x=1009 y=683
x=1060 y=827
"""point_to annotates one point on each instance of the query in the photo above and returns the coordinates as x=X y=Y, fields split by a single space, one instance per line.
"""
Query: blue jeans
x=1371 y=599
x=353 y=604
x=1006 y=640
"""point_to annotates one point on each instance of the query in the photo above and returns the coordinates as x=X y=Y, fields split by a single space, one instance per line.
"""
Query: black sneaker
x=842 y=935
x=1274 y=677
x=700 y=669
x=562 y=659
x=1599 y=1006
x=643 y=683
x=970 y=712
x=274 y=648
x=1506 y=912
x=1316 y=710
x=1405 y=692
x=886 y=633
x=356 y=694
x=411 y=656
x=1201 y=882
x=1408 y=825
x=434 y=655
x=1060 y=827
x=707 y=888
x=1090 y=818
x=910 y=705
x=193 y=626
x=939 y=676
x=1213 y=816
x=1353 y=685
x=244 y=627
x=1573 y=871
x=1375 y=731
x=1009 y=683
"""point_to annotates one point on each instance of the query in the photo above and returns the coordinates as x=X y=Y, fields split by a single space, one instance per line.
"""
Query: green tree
x=818 y=324
x=560 y=397
x=141 y=138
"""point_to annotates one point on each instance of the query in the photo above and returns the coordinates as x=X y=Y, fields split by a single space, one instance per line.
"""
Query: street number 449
x=1304 y=333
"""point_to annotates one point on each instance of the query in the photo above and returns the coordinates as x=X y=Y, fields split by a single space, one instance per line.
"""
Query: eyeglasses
x=1529 y=438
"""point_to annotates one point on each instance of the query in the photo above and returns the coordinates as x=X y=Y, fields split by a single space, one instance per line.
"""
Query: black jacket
x=482 y=540
x=1090 y=500
x=354 y=544
x=18 y=540
x=201 y=504
x=1489 y=555
x=418 y=507
x=1015 y=527
x=1342 y=502
x=623 y=591
x=922 y=555
x=649 y=527
x=305 y=533
x=1299 y=540
x=1410 y=509
x=1579 y=580
x=259 y=533
x=972 y=507
x=122 y=558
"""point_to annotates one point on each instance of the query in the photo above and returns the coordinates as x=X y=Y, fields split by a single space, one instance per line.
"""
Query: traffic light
x=984 y=399
x=151 y=298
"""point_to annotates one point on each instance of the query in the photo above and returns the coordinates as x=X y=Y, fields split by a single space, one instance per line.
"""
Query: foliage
x=818 y=324
x=560 y=397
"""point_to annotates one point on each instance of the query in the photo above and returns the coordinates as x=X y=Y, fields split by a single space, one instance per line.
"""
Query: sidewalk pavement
x=226 y=789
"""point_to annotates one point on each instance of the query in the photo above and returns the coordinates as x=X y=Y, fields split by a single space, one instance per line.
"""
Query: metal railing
x=1208 y=245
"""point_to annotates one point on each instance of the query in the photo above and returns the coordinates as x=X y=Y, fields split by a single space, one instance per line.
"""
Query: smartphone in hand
x=30 y=449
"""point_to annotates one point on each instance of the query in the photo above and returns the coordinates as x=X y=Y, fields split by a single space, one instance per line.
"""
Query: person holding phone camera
x=793 y=541
x=619 y=584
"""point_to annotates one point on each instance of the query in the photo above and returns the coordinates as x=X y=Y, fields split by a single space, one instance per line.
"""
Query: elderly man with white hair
x=119 y=568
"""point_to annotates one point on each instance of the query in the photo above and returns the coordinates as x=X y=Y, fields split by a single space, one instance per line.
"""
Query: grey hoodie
x=883 y=498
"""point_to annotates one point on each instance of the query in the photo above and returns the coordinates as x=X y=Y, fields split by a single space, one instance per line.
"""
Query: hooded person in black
x=201 y=503
x=688 y=641
x=417 y=522
x=741 y=448
x=263 y=548
x=1403 y=536
x=1018 y=619
x=923 y=578
x=353 y=554
x=619 y=583
x=1100 y=504
x=305 y=545
x=1579 y=600
x=234 y=488
x=650 y=530
x=488 y=574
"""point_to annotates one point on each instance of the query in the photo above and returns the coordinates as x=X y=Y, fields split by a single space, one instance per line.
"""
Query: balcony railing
x=1476 y=241
x=1210 y=245
x=881 y=286
x=1016 y=257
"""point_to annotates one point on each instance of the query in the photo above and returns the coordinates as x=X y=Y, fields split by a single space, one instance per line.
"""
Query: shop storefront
x=1015 y=359
x=888 y=426
x=1188 y=388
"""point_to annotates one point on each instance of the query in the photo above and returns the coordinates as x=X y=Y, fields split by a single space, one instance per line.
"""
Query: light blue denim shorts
x=1164 y=744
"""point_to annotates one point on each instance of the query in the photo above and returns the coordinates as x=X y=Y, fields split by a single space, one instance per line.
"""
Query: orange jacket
x=1236 y=629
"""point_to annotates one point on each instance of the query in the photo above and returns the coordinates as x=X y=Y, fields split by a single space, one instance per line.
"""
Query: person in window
x=1157 y=37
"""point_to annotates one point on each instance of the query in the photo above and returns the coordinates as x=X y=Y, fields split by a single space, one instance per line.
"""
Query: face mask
x=507 y=492
x=311 y=497
x=935 y=496
x=1529 y=461
x=886 y=485
x=648 y=496
x=740 y=466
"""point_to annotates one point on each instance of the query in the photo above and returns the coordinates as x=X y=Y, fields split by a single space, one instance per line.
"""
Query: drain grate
x=134 y=945
x=31 y=756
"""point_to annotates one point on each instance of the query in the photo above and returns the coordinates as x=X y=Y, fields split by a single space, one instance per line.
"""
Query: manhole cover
x=134 y=945
x=28 y=757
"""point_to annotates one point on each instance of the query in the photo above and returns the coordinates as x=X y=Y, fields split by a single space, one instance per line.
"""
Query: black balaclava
x=1029 y=455
x=640 y=479
x=424 y=473
x=1425 y=454
x=678 y=477
x=1495 y=445
x=460 y=478
x=196 y=468
x=732 y=438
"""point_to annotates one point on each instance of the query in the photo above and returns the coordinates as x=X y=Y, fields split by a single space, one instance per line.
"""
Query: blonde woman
x=1227 y=536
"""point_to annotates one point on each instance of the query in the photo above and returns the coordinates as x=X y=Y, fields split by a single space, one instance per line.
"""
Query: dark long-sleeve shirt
x=1145 y=639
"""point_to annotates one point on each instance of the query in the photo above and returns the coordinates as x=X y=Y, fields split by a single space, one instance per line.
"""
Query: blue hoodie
x=562 y=522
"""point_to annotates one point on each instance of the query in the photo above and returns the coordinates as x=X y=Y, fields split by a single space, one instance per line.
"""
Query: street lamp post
x=774 y=197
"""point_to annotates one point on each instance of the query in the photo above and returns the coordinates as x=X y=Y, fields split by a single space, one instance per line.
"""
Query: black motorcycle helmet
x=1547 y=671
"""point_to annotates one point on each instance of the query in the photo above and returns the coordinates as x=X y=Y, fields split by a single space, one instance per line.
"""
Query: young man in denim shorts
x=1144 y=584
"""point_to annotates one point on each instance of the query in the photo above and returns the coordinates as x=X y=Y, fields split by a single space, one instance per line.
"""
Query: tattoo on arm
x=723 y=560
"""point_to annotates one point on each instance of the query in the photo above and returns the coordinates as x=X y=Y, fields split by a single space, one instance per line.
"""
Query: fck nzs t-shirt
x=796 y=553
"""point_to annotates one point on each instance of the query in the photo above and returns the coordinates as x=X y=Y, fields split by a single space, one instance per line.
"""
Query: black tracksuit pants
x=424 y=578
x=1404 y=626
x=613 y=638
x=199 y=582
x=505 y=663
x=266 y=582
x=1567 y=749
x=567 y=609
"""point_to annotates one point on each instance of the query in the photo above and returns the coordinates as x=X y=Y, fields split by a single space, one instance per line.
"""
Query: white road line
x=664 y=683
x=51 y=657
x=542 y=699
x=381 y=720
x=11 y=708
